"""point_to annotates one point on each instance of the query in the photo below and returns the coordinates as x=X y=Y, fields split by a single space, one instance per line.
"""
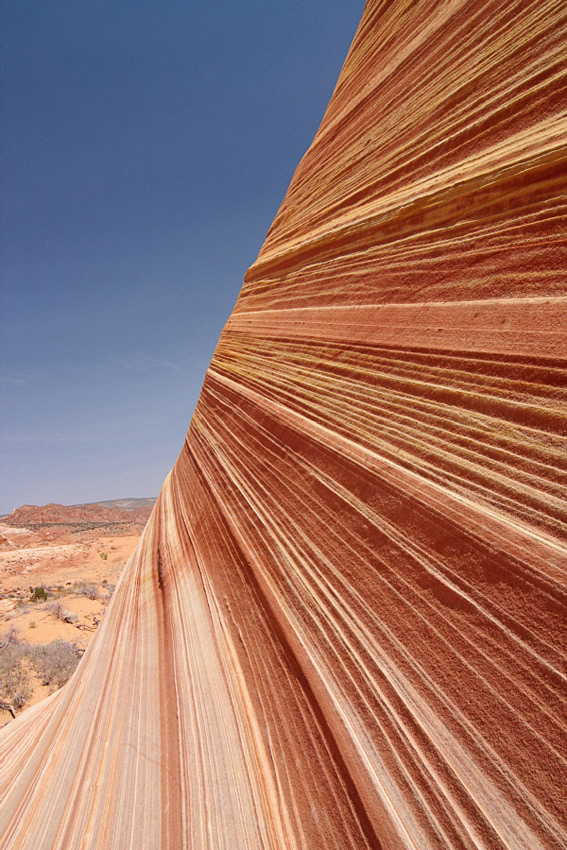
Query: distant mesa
x=118 y=511
x=125 y=504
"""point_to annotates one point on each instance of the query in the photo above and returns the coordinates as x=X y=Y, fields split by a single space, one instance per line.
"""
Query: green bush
x=38 y=594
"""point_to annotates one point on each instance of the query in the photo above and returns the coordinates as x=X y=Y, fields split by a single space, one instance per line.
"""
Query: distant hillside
x=125 y=504
x=134 y=511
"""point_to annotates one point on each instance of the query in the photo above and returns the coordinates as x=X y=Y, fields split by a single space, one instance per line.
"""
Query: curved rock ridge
x=345 y=624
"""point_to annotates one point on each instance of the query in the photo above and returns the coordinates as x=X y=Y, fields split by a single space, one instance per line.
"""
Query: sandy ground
x=35 y=560
x=63 y=561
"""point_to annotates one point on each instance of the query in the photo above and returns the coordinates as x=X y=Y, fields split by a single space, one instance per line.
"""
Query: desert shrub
x=83 y=588
x=9 y=638
x=15 y=684
x=104 y=556
x=55 y=662
x=62 y=613
x=38 y=594
x=70 y=617
x=55 y=608
x=56 y=590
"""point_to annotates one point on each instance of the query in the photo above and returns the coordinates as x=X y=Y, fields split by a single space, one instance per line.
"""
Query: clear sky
x=146 y=147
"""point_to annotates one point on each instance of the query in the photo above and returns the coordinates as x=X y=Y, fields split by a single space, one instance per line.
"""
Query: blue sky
x=146 y=147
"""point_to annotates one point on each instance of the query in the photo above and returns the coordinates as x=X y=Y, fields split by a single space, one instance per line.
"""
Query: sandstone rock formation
x=345 y=625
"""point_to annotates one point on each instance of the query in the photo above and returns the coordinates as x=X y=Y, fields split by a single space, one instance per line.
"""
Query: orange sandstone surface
x=345 y=623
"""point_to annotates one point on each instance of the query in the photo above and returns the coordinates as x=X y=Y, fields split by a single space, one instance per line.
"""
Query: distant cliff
x=345 y=624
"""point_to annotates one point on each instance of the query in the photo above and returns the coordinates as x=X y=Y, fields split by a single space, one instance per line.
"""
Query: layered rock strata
x=345 y=625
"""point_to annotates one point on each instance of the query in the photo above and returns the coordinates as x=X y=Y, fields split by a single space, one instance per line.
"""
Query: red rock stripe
x=522 y=327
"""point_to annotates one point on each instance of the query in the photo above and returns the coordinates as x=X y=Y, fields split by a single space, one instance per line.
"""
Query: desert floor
x=78 y=568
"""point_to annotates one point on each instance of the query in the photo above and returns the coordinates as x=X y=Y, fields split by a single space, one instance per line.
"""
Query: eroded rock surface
x=344 y=626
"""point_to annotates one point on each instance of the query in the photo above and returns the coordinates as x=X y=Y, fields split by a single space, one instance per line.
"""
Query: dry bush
x=62 y=613
x=55 y=662
x=70 y=617
x=83 y=588
x=15 y=684
x=56 y=609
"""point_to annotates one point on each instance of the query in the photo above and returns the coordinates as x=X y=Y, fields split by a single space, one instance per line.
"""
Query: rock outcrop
x=345 y=624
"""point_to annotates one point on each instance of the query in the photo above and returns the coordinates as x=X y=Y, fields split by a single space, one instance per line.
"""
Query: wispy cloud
x=12 y=381
x=142 y=362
